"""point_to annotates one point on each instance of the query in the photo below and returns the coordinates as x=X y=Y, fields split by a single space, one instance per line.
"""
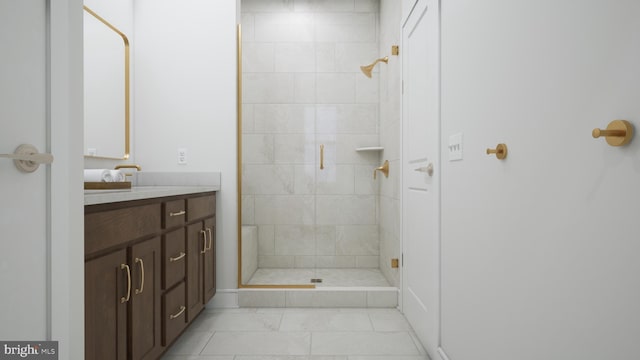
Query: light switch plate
x=455 y=147
x=182 y=156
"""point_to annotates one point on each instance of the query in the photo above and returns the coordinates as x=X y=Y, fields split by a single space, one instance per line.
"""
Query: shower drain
x=315 y=281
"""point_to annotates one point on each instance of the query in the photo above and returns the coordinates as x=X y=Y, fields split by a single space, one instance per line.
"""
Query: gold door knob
x=617 y=133
x=500 y=151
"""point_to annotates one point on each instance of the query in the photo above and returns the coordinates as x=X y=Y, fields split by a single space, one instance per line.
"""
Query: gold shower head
x=369 y=68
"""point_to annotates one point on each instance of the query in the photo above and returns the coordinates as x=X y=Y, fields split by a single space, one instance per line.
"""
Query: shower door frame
x=239 y=177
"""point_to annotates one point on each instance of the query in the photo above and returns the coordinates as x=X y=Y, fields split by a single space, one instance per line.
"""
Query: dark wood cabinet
x=209 y=270
x=174 y=313
x=196 y=244
x=145 y=300
x=200 y=254
x=106 y=296
x=174 y=258
x=149 y=272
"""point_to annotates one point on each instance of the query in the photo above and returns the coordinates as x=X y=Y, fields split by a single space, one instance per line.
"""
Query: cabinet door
x=146 y=313
x=195 y=264
x=209 y=271
x=106 y=299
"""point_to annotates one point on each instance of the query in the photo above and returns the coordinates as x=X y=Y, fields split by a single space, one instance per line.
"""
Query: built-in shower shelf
x=370 y=148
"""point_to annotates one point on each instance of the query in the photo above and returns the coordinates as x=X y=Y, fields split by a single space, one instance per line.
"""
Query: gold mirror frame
x=127 y=100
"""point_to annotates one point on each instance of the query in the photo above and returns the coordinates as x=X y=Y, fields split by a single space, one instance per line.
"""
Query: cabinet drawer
x=174 y=258
x=174 y=213
x=110 y=228
x=174 y=312
x=200 y=207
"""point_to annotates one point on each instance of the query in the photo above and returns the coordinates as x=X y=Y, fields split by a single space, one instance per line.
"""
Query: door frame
x=65 y=229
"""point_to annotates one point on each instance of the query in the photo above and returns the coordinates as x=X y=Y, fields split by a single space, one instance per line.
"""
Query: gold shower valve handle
x=384 y=169
x=617 y=133
x=500 y=151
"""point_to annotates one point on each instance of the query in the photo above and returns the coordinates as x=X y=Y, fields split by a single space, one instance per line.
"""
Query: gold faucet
x=128 y=166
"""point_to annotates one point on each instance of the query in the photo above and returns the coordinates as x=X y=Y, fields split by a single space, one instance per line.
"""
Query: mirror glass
x=106 y=89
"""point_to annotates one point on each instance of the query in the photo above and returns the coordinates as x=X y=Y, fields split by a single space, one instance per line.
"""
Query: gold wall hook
x=500 y=151
x=617 y=133
x=384 y=169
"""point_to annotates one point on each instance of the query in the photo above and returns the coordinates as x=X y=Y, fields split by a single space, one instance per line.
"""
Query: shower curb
x=320 y=297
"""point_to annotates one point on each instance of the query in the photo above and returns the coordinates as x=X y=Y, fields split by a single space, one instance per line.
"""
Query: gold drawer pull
x=139 y=291
x=125 y=299
x=173 y=259
x=204 y=247
x=182 y=309
x=210 y=240
x=179 y=213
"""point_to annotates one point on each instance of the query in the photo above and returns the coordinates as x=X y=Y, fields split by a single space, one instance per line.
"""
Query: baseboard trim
x=443 y=355
x=224 y=299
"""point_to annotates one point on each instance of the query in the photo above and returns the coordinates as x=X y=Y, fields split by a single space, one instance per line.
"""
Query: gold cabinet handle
x=500 y=151
x=204 y=244
x=322 y=157
x=139 y=291
x=383 y=169
x=125 y=299
x=617 y=133
x=180 y=256
x=210 y=240
x=179 y=213
x=176 y=315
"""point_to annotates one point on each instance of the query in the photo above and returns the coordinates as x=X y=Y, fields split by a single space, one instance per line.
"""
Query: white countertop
x=93 y=197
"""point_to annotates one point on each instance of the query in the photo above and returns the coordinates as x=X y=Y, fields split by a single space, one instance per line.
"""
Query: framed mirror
x=106 y=89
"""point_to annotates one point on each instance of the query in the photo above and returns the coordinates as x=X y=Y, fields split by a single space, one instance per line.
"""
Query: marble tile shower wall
x=302 y=88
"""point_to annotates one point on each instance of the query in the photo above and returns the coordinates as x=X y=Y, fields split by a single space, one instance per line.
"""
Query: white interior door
x=23 y=215
x=421 y=163
x=41 y=217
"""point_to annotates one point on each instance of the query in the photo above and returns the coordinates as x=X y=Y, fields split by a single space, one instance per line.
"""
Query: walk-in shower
x=310 y=145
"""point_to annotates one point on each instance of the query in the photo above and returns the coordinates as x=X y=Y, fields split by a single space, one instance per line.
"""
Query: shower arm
x=366 y=70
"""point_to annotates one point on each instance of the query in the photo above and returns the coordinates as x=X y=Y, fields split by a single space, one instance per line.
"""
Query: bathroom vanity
x=149 y=268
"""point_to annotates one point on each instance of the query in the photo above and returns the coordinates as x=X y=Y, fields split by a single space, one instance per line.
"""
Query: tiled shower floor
x=330 y=277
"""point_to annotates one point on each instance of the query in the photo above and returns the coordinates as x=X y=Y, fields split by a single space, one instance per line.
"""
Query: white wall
x=540 y=251
x=390 y=126
x=118 y=13
x=185 y=97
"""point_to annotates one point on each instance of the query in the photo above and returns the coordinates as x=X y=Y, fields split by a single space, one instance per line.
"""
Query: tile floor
x=298 y=334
